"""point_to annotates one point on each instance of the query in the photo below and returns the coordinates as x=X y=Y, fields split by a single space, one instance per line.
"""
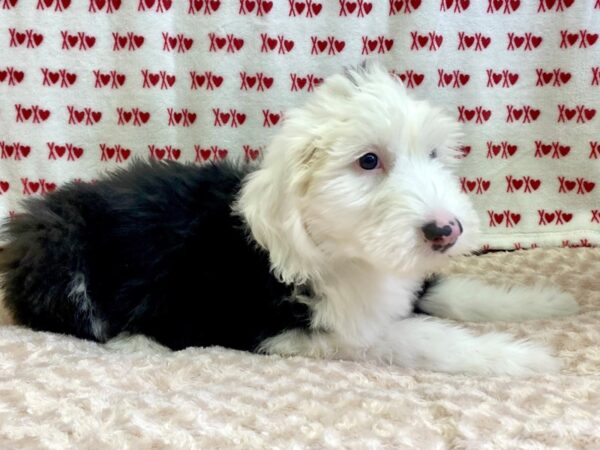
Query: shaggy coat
x=320 y=251
x=153 y=249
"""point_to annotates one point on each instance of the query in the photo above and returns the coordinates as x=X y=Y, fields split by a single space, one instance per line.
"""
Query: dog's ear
x=270 y=204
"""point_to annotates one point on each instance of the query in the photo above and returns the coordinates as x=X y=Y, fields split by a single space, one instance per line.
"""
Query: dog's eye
x=369 y=161
x=433 y=154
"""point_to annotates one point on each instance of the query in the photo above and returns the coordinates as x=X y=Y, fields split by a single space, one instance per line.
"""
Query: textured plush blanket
x=59 y=392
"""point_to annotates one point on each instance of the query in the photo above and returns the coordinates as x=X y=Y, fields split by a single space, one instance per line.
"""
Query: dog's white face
x=366 y=173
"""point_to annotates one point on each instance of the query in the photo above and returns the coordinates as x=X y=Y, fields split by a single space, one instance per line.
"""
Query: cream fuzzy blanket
x=59 y=392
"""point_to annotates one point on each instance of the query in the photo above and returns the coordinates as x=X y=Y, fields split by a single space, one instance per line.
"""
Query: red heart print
x=589 y=113
x=570 y=185
x=96 y=116
x=220 y=42
x=589 y=186
x=205 y=154
x=125 y=153
x=217 y=80
x=517 y=184
x=516 y=218
x=570 y=113
x=549 y=217
x=241 y=118
x=567 y=217
x=519 y=41
x=498 y=218
x=44 y=114
x=564 y=149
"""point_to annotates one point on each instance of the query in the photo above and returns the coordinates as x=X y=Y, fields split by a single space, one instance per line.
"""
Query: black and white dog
x=321 y=251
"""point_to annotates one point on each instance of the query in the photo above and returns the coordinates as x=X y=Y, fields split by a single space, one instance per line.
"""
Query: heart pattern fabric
x=88 y=86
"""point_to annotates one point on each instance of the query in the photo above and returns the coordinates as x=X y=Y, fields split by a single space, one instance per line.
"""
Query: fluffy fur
x=309 y=254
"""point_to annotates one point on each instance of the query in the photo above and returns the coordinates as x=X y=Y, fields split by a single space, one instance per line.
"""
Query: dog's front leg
x=471 y=300
x=427 y=343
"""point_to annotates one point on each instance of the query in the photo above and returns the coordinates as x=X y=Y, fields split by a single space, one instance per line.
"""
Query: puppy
x=324 y=250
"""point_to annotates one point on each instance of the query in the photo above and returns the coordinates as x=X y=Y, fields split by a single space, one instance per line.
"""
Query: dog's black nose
x=442 y=236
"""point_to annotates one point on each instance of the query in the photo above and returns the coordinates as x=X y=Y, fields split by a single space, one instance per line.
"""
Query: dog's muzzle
x=442 y=234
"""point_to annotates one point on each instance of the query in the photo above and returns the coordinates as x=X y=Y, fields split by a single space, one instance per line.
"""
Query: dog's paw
x=552 y=302
x=499 y=354
x=526 y=358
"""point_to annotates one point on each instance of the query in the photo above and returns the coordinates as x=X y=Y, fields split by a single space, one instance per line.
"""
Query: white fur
x=473 y=301
x=355 y=236
x=78 y=294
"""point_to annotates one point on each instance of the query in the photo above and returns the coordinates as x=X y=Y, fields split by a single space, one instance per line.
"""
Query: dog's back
x=153 y=249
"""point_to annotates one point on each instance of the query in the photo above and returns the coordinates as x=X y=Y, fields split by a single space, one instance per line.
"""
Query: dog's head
x=361 y=172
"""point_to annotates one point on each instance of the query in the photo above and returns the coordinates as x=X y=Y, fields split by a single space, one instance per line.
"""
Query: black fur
x=158 y=251
x=428 y=283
